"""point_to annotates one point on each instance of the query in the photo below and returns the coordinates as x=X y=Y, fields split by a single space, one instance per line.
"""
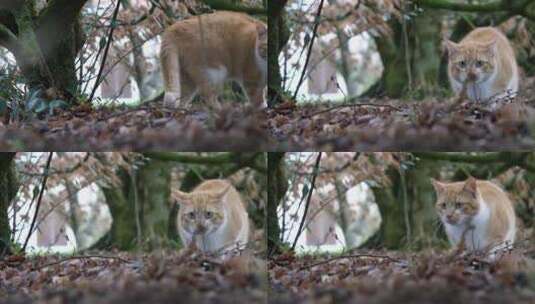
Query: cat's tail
x=169 y=58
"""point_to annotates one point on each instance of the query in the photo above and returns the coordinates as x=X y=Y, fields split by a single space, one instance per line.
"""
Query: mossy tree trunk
x=153 y=196
x=45 y=45
x=143 y=214
x=139 y=208
x=120 y=200
x=8 y=190
x=411 y=57
x=407 y=208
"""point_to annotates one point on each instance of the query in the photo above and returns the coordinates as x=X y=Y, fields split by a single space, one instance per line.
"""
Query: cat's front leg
x=255 y=94
x=171 y=99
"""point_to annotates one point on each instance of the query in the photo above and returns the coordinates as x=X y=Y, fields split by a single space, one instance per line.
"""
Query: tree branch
x=465 y=7
x=312 y=186
x=225 y=5
x=42 y=190
x=7 y=38
x=217 y=159
x=520 y=7
x=462 y=157
x=239 y=159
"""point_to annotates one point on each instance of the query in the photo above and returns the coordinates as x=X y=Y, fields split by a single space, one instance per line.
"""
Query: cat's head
x=262 y=44
x=457 y=202
x=201 y=212
x=470 y=61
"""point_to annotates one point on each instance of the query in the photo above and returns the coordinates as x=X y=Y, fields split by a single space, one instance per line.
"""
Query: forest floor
x=366 y=125
x=167 y=277
x=148 y=127
x=408 y=125
x=396 y=277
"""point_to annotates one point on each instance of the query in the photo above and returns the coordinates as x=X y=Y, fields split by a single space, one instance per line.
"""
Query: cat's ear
x=217 y=195
x=261 y=29
x=470 y=186
x=181 y=197
x=439 y=187
x=491 y=46
x=450 y=46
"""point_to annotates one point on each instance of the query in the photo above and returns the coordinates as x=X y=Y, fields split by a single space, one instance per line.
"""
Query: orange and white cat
x=199 y=54
x=477 y=215
x=485 y=60
x=213 y=217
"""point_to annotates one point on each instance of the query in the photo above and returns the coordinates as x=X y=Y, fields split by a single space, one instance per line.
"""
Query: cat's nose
x=449 y=217
x=201 y=229
x=472 y=76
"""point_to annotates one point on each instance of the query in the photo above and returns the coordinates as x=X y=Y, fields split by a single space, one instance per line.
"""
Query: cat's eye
x=458 y=205
x=479 y=63
x=208 y=214
x=191 y=215
x=462 y=64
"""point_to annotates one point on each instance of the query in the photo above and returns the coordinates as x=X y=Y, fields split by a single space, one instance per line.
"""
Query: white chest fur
x=475 y=231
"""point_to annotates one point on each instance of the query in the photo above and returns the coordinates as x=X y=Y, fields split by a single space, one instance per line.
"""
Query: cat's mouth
x=451 y=220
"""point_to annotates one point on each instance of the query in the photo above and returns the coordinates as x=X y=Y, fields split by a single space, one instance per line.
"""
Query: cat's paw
x=171 y=99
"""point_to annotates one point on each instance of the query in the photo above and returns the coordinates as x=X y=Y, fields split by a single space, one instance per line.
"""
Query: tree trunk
x=153 y=186
x=277 y=186
x=123 y=231
x=411 y=58
x=45 y=46
x=9 y=187
x=278 y=35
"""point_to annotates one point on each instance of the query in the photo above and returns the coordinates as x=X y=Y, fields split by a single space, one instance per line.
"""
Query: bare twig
x=312 y=185
x=314 y=34
x=108 y=44
x=43 y=185
x=80 y=258
x=353 y=256
x=352 y=105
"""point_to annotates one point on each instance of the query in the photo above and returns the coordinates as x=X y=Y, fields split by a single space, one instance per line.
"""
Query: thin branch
x=355 y=256
x=43 y=185
x=312 y=185
x=108 y=44
x=7 y=37
x=226 y=5
x=520 y=7
x=485 y=158
x=80 y=258
x=307 y=60
x=352 y=105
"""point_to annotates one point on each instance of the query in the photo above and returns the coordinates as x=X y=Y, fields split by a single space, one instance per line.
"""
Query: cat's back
x=220 y=24
x=493 y=195
x=486 y=35
x=212 y=185
x=217 y=185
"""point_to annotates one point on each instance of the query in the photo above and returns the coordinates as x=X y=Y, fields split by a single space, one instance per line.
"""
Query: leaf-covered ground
x=366 y=125
x=149 y=127
x=394 y=125
x=394 y=277
x=167 y=277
